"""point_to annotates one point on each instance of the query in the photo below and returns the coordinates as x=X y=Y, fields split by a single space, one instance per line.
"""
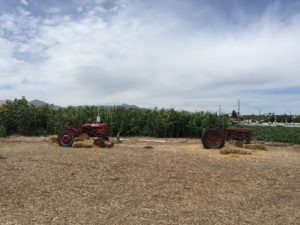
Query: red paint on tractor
x=66 y=138
x=214 y=137
x=97 y=130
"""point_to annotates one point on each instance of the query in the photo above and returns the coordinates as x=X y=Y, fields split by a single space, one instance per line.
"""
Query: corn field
x=18 y=117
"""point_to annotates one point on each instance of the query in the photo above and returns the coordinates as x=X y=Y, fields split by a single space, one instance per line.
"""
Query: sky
x=185 y=54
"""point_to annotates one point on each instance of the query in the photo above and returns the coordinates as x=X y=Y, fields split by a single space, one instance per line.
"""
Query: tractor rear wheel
x=66 y=138
x=213 y=138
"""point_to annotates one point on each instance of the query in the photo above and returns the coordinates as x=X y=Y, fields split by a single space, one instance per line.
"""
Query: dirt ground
x=171 y=181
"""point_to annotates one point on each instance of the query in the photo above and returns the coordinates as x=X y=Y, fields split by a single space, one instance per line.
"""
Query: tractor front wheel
x=213 y=138
x=100 y=142
x=66 y=138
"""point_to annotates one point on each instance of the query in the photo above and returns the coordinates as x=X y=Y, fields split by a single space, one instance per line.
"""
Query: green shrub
x=2 y=131
x=276 y=134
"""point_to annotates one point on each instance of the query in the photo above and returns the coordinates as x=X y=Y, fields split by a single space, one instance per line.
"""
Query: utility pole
x=259 y=113
x=239 y=108
x=290 y=118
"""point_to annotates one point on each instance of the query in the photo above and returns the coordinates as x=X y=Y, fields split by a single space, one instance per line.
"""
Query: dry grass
x=277 y=144
x=176 y=182
x=255 y=147
x=232 y=150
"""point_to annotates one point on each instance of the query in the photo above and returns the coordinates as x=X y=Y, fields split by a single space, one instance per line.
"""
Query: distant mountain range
x=37 y=102
x=34 y=102
x=126 y=106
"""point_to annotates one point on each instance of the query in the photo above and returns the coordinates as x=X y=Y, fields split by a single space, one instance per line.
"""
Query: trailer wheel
x=213 y=138
x=66 y=138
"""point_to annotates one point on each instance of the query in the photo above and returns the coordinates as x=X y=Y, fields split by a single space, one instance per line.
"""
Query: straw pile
x=53 y=139
x=83 y=144
x=240 y=151
x=255 y=147
x=83 y=141
x=82 y=137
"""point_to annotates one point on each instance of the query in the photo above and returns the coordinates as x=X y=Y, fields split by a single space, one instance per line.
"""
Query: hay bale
x=53 y=139
x=255 y=147
x=82 y=137
x=239 y=151
x=77 y=139
x=83 y=144
x=239 y=143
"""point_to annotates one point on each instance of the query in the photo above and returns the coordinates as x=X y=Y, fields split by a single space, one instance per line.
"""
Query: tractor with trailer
x=215 y=137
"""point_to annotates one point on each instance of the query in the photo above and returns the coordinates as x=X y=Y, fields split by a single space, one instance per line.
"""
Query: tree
x=17 y=116
x=272 y=118
x=234 y=114
x=279 y=118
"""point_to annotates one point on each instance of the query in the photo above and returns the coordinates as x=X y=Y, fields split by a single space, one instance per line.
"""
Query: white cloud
x=24 y=2
x=53 y=10
x=149 y=58
x=79 y=9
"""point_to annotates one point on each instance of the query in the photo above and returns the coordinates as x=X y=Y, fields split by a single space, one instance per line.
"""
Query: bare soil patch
x=175 y=181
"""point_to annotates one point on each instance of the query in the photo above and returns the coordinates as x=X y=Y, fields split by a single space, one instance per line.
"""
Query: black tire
x=66 y=138
x=213 y=138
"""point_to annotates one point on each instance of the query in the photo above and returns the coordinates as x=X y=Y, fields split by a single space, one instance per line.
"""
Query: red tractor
x=98 y=131
x=215 y=137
